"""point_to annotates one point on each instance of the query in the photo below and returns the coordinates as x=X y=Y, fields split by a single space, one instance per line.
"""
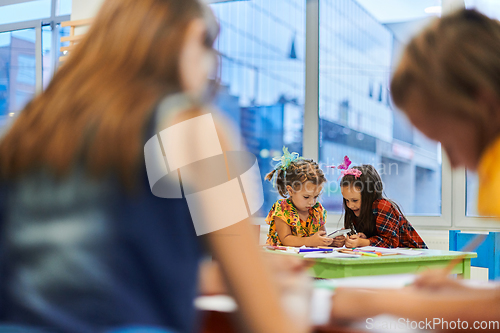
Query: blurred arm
x=467 y=304
x=241 y=260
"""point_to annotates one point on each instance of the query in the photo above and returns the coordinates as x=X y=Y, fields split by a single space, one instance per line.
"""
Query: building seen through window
x=262 y=47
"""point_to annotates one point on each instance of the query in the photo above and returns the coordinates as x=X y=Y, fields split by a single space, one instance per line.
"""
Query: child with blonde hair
x=298 y=219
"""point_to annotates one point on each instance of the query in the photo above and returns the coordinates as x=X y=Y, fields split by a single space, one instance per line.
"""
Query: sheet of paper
x=333 y=254
x=221 y=303
x=372 y=282
x=409 y=252
x=383 y=250
x=321 y=304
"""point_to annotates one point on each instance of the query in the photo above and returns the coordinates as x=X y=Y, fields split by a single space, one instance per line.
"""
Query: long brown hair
x=451 y=62
x=298 y=172
x=99 y=102
x=372 y=188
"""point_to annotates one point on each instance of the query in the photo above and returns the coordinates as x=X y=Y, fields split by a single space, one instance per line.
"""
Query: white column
x=311 y=116
x=83 y=9
x=449 y=6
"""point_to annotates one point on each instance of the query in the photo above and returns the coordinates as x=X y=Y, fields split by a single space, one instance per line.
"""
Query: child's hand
x=353 y=241
x=352 y=304
x=437 y=279
x=320 y=239
x=338 y=241
x=362 y=235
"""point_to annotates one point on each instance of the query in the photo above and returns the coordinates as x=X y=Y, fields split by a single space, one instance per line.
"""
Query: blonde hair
x=451 y=62
x=98 y=105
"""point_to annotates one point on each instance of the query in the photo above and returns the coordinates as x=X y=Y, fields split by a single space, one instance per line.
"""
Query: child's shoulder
x=280 y=207
x=283 y=203
x=382 y=205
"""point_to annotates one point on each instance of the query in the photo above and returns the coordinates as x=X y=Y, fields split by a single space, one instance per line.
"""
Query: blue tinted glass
x=472 y=190
x=356 y=115
x=17 y=71
x=47 y=62
x=49 y=58
x=262 y=73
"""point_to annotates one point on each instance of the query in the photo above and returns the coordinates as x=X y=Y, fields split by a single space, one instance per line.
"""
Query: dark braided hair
x=298 y=172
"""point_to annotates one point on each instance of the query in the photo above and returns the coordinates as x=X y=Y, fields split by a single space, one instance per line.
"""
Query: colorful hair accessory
x=354 y=172
x=284 y=162
x=344 y=169
x=345 y=164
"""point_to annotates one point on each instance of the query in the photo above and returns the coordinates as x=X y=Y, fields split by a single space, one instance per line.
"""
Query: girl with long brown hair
x=373 y=219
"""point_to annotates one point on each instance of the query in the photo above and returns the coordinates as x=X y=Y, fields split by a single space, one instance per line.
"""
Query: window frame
x=460 y=219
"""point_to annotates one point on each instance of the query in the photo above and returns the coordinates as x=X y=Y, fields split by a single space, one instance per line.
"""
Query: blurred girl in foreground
x=448 y=84
x=86 y=246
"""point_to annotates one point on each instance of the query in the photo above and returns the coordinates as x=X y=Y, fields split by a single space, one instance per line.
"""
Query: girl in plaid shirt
x=375 y=220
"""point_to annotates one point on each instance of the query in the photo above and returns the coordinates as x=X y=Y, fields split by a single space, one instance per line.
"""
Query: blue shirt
x=83 y=255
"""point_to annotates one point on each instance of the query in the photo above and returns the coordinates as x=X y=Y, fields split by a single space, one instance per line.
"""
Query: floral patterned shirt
x=286 y=211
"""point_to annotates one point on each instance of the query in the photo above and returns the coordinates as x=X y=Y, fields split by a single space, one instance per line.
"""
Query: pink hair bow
x=344 y=169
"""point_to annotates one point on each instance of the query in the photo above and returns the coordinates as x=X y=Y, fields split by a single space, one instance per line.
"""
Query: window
x=51 y=50
x=17 y=71
x=356 y=117
x=492 y=9
x=262 y=74
x=63 y=7
x=25 y=11
x=27 y=66
x=471 y=190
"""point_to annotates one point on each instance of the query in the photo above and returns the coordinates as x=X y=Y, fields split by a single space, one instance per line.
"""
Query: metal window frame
x=310 y=137
x=461 y=220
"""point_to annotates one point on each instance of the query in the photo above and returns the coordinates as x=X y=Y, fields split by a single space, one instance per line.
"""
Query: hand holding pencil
x=440 y=278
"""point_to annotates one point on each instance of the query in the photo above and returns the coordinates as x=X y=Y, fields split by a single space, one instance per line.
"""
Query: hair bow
x=344 y=169
x=284 y=162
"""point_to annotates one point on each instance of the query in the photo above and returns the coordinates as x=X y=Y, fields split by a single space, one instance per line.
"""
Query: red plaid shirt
x=392 y=228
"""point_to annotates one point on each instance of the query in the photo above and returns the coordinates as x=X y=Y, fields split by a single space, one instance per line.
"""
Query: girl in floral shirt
x=298 y=219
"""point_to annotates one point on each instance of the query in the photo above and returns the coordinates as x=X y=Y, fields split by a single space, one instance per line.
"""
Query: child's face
x=352 y=197
x=461 y=138
x=305 y=196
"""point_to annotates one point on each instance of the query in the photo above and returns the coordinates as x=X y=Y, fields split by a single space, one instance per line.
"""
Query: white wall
x=83 y=9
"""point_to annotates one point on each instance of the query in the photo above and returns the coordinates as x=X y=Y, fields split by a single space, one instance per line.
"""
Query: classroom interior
x=312 y=75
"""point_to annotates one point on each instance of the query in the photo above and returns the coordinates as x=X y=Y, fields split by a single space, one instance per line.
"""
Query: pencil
x=471 y=246
x=369 y=254
x=316 y=250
